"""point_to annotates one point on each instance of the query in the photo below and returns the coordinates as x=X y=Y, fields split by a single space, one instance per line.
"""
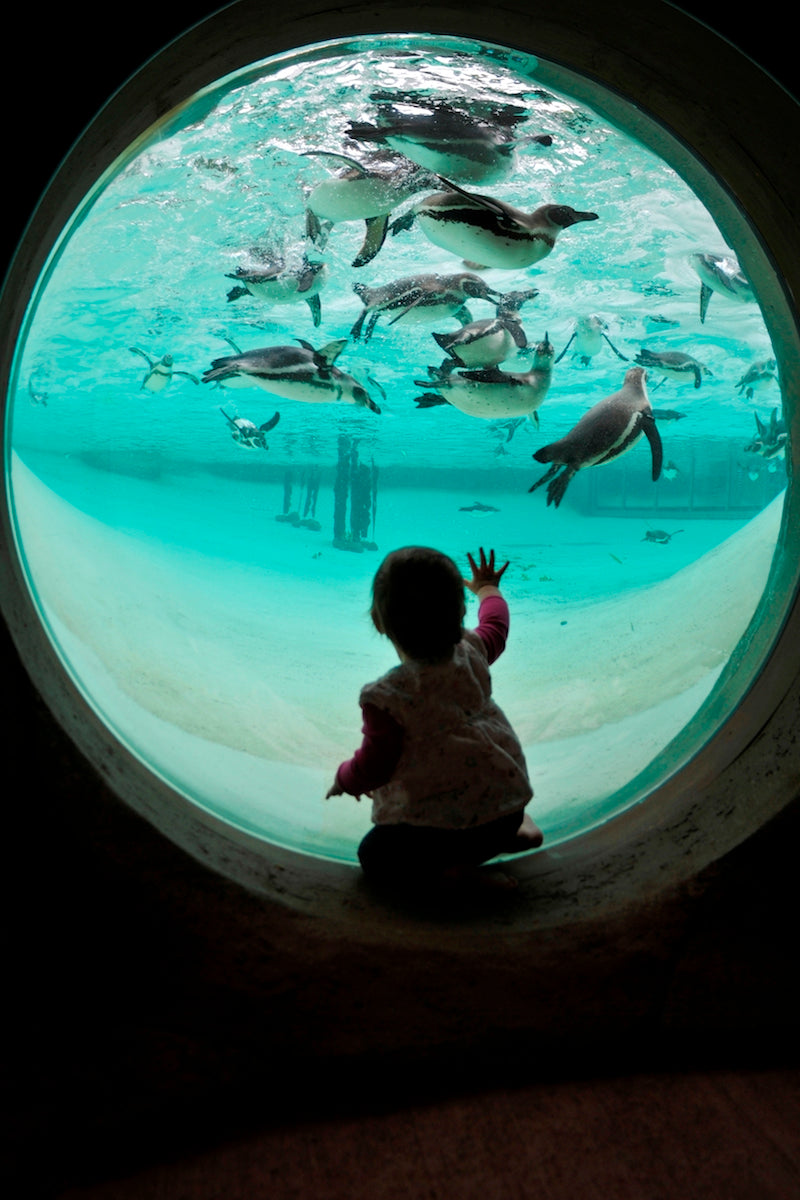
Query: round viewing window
x=257 y=358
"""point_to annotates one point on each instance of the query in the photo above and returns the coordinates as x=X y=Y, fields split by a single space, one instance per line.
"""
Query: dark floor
x=711 y=1135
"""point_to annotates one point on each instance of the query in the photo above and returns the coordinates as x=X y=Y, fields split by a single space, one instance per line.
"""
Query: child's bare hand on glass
x=484 y=573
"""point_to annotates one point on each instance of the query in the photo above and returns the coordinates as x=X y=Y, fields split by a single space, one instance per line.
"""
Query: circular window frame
x=748 y=771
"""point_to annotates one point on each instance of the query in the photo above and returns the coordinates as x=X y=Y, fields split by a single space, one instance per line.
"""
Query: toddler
x=443 y=767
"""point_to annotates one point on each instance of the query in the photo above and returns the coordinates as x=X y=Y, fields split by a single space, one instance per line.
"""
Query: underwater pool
x=207 y=583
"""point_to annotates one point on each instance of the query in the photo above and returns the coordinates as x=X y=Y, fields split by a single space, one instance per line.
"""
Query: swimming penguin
x=658 y=324
x=668 y=414
x=491 y=341
x=273 y=282
x=672 y=364
x=606 y=431
x=418 y=298
x=588 y=335
x=294 y=372
x=362 y=192
x=159 y=372
x=720 y=273
x=770 y=440
x=474 y=143
x=478 y=506
x=759 y=376
x=247 y=433
x=660 y=536
x=492 y=393
x=487 y=232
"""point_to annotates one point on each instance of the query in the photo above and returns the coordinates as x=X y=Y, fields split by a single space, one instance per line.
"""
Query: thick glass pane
x=206 y=580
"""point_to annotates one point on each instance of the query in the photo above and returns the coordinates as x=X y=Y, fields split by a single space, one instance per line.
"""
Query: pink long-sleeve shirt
x=375 y=761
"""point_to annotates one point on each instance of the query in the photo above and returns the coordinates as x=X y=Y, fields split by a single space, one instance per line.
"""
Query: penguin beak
x=582 y=216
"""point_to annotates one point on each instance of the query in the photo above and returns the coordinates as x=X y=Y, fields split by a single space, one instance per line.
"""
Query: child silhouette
x=439 y=759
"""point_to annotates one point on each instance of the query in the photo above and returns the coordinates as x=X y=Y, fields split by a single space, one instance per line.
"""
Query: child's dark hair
x=418 y=602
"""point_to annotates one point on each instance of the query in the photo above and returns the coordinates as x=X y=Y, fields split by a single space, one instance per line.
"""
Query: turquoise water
x=210 y=599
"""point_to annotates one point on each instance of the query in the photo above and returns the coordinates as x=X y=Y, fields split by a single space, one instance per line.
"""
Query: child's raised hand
x=484 y=574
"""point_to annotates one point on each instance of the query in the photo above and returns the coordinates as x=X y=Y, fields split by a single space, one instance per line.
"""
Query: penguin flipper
x=341 y=160
x=317 y=231
x=306 y=276
x=430 y=400
x=355 y=332
x=330 y=352
x=408 y=308
x=315 y=305
x=476 y=197
x=517 y=334
x=325 y=358
x=566 y=348
x=270 y=424
x=403 y=223
x=650 y=430
x=373 y=240
x=150 y=361
x=705 y=295
x=616 y=351
x=444 y=341
x=188 y=375
x=378 y=387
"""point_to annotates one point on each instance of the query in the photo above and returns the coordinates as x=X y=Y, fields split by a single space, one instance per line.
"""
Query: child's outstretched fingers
x=484 y=572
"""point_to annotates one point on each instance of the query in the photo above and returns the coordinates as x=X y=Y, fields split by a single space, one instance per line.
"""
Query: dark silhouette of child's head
x=418 y=602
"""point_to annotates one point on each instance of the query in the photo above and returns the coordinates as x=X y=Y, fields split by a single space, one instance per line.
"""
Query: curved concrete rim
x=705 y=95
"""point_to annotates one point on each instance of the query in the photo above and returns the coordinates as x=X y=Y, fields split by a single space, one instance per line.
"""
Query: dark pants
x=396 y=852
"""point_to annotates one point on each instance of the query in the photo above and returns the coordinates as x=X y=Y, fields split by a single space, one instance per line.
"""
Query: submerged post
x=340 y=489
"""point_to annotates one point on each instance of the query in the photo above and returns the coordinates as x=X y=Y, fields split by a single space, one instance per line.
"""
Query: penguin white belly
x=285 y=290
x=354 y=199
x=588 y=342
x=489 y=248
x=681 y=376
x=305 y=390
x=491 y=401
x=488 y=351
x=419 y=314
x=156 y=381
